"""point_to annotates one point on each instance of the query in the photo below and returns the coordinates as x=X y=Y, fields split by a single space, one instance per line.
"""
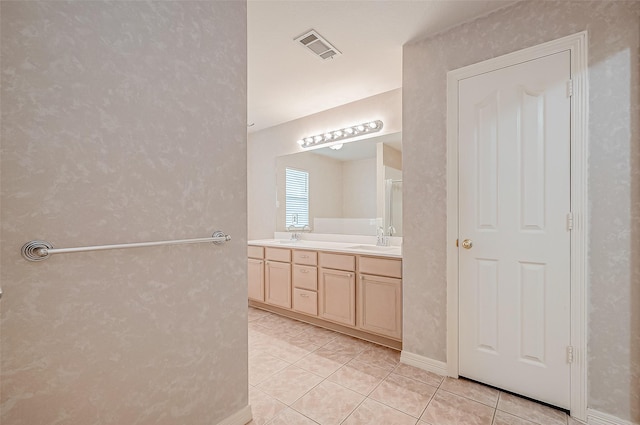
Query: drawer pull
x=304 y=256
x=304 y=295
x=304 y=271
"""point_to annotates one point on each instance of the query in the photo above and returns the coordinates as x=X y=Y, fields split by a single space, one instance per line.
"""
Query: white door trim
x=577 y=44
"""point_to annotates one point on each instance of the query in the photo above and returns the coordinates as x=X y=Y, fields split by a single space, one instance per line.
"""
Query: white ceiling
x=286 y=81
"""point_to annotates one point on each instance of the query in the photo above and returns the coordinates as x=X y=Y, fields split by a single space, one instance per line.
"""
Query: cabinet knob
x=349 y=275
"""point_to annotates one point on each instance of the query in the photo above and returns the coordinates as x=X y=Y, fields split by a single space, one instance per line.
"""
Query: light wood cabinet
x=380 y=305
x=305 y=277
x=255 y=275
x=357 y=294
x=278 y=283
x=306 y=257
x=305 y=301
x=305 y=281
x=337 y=289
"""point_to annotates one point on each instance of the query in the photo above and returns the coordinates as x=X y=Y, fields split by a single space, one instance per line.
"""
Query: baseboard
x=598 y=418
x=241 y=417
x=424 y=363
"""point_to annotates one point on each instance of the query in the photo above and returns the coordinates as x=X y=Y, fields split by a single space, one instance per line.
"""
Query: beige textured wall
x=123 y=122
x=265 y=145
x=614 y=167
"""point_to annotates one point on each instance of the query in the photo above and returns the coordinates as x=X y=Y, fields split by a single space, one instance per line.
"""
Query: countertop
x=347 y=247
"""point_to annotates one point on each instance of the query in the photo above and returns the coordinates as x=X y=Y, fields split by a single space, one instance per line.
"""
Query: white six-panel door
x=514 y=198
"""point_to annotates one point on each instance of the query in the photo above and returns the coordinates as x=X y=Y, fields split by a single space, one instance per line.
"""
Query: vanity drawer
x=278 y=254
x=381 y=266
x=255 y=251
x=305 y=277
x=305 y=301
x=338 y=261
x=309 y=258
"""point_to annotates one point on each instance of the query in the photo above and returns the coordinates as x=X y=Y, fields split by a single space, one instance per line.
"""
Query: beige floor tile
x=503 y=418
x=287 y=352
x=473 y=390
x=418 y=374
x=449 y=409
x=320 y=336
x=335 y=372
x=405 y=394
x=371 y=412
x=263 y=366
x=290 y=384
x=320 y=364
x=348 y=345
x=291 y=417
x=263 y=406
x=303 y=340
x=282 y=327
x=359 y=376
x=256 y=314
x=530 y=410
x=380 y=356
x=273 y=333
x=328 y=403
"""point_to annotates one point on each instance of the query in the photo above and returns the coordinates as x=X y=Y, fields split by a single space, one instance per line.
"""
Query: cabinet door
x=255 y=274
x=278 y=283
x=337 y=292
x=380 y=305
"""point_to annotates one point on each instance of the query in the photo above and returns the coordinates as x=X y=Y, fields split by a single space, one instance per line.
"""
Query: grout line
x=468 y=398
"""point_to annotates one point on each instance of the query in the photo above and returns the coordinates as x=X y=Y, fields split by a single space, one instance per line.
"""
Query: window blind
x=297 y=197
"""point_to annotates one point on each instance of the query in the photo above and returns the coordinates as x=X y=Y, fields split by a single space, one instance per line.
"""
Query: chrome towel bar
x=41 y=250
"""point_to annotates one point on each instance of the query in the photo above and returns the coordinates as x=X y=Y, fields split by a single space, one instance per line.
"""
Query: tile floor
x=300 y=374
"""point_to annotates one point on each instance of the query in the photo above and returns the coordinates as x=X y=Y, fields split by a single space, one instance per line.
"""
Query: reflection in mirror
x=346 y=189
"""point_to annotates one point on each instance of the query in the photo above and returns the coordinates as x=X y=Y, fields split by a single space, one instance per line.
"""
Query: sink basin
x=374 y=248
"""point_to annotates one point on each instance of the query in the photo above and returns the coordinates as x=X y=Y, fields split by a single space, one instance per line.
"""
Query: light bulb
x=317 y=139
x=373 y=125
x=337 y=134
x=301 y=142
x=348 y=131
x=360 y=128
x=327 y=136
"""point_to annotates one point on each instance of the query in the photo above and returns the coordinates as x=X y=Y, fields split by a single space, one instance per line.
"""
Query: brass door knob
x=467 y=243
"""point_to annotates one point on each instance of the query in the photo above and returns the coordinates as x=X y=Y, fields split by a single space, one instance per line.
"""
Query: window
x=297 y=197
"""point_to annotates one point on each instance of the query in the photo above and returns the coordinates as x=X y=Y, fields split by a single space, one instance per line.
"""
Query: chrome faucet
x=295 y=236
x=296 y=231
x=382 y=239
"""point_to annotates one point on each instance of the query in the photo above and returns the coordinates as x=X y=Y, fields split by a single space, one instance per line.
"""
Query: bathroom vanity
x=350 y=288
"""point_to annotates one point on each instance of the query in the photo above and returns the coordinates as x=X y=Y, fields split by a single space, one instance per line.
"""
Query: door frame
x=577 y=44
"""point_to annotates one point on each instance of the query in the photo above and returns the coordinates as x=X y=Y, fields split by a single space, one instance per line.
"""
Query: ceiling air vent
x=318 y=45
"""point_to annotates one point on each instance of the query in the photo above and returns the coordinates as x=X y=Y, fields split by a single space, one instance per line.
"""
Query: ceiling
x=286 y=81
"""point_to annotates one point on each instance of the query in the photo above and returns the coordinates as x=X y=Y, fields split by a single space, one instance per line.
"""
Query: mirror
x=353 y=190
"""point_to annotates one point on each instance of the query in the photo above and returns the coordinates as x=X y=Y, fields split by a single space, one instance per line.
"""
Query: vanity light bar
x=341 y=134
